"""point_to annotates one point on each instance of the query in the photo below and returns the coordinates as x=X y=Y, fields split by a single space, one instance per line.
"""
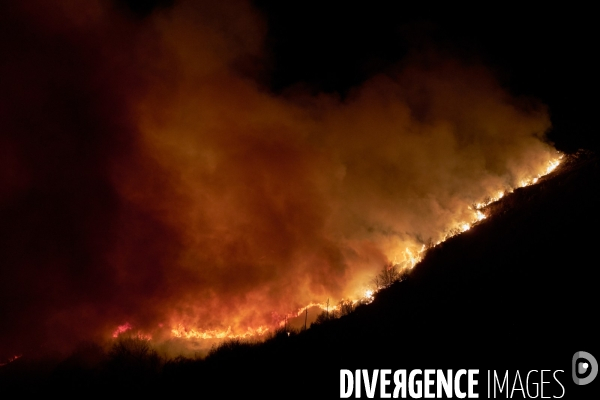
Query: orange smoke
x=234 y=206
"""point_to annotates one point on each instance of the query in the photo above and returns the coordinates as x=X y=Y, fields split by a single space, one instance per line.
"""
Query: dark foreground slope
x=517 y=292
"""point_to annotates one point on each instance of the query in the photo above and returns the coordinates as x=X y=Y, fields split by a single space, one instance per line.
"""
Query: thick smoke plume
x=148 y=177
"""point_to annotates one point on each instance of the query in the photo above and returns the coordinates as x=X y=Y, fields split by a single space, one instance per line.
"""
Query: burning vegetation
x=160 y=190
x=389 y=274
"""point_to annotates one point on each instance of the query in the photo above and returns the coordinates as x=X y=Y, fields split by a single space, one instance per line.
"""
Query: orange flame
x=10 y=359
x=182 y=332
x=127 y=327
x=121 y=328
x=410 y=258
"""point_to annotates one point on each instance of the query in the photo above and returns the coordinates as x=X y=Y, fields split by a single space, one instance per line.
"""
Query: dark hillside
x=517 y=291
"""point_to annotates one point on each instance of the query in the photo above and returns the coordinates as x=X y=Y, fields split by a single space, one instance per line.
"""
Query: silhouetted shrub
x=229 y=349
x=388 y=275
x=321 y=318
x=133 y=363
x=346 y=307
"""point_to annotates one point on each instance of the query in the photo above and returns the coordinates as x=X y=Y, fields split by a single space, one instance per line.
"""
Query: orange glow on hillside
x=410 y=258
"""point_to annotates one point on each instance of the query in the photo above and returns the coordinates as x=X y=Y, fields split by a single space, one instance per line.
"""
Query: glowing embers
x=11 y=359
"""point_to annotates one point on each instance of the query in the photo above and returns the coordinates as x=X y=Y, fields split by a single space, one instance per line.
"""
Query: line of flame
x=11 y=359
x=181 y=332
x=411 y=259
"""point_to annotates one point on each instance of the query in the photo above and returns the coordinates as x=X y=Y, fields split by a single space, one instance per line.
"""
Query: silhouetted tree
x=346 y=307
x=321 y=318
x=388 y=275
x=133 y=363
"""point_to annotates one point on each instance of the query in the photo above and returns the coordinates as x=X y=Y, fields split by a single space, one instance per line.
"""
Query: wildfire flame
x=411 y=257
x=127 y=327
x=212 y=207
x=478 y=215
x=121 y=328
x=11 y=359
x=182 y=332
